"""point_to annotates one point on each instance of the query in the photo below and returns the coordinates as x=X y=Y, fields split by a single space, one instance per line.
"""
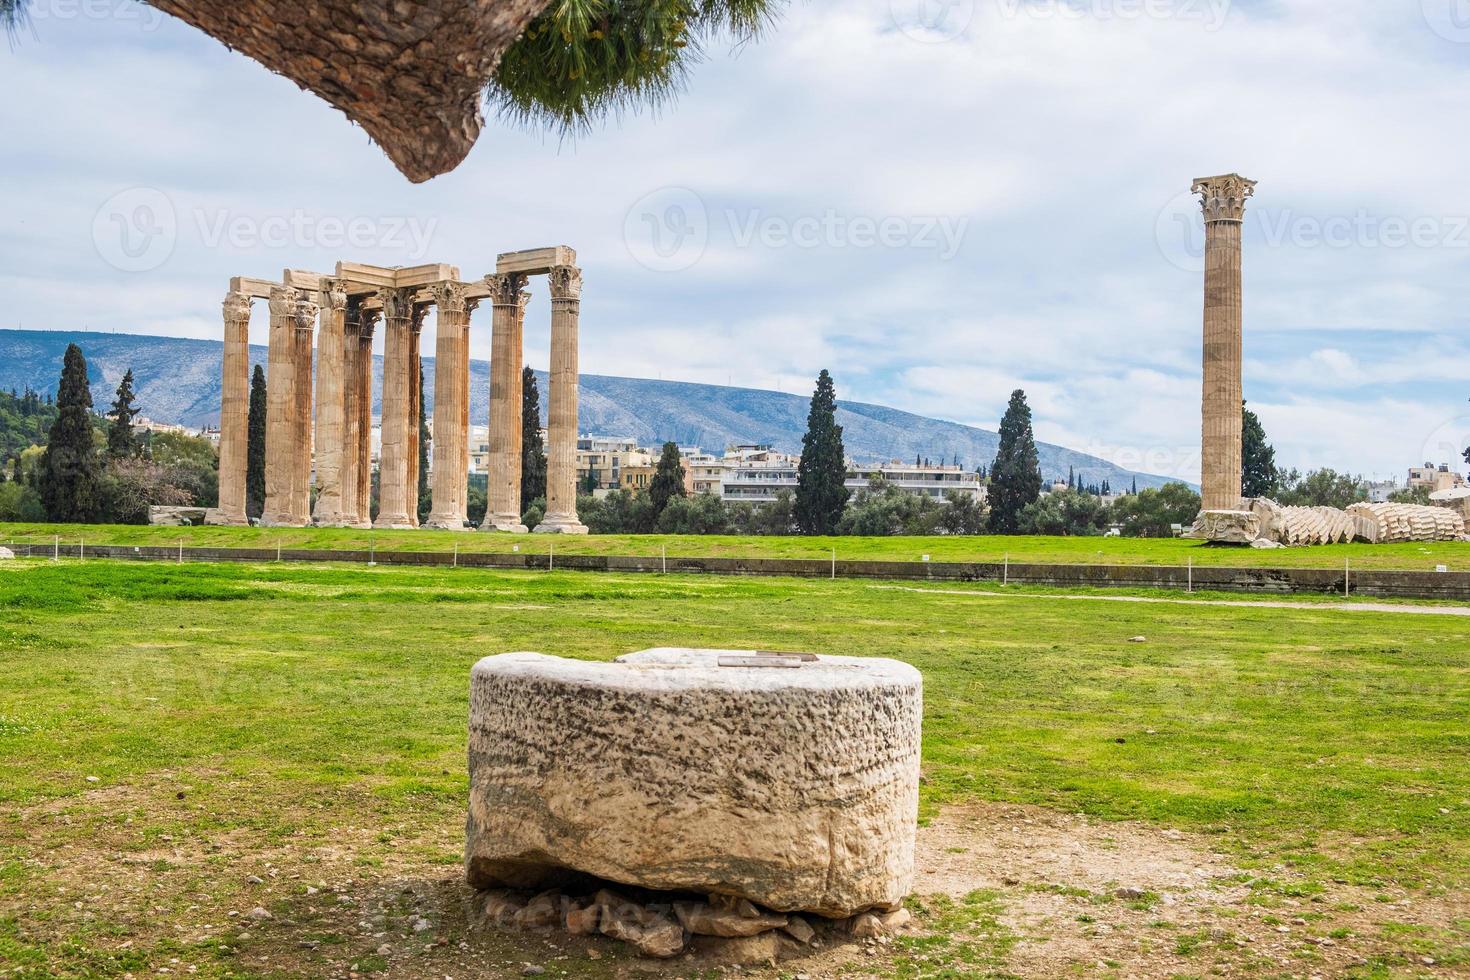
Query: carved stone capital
x=334 y=294
x=566 y=282
x=417 y=316
x=397 y=303
x=1223 y=198
x=236 y=307
x=505 y=287
x=282 y=301
x=305 y=313
x=367 y=322
x=449 y=297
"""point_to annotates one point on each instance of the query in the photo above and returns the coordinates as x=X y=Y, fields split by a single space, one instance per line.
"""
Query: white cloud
x=1059 y=143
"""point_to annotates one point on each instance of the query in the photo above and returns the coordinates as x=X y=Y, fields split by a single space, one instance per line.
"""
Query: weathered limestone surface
x=393 y=465
x=1411 y=522
x=331 y=404
x=795 y=787
x=6 y=554
x=177 y=516
x=280 y=434
x=234 y=413
x=367 y=325
x=1223 y=200
x=451 y=408
x=1226 y=526
x=1456 y=499
x=503 y=510
x=561 y=416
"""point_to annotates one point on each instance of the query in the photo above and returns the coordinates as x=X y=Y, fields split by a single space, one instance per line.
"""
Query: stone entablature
x=340 y=311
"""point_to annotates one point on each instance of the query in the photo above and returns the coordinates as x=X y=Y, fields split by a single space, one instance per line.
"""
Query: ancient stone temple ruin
x=1225 y=517
x=333 y=317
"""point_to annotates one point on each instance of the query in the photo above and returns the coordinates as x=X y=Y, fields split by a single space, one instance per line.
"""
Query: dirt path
x=1376 y=607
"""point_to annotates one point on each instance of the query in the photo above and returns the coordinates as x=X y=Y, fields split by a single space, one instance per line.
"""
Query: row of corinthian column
x=342 y=425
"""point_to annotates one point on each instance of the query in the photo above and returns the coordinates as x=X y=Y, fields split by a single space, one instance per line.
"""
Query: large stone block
x=793 y=786
x=1226 y=526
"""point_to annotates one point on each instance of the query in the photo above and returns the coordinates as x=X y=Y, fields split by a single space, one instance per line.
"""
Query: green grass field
x=1107 y=551
x=166 y=730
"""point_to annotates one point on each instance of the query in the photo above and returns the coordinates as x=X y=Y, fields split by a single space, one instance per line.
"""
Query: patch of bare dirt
x=147 y=866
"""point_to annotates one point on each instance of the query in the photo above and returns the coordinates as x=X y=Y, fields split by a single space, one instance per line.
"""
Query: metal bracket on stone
x=412 y=73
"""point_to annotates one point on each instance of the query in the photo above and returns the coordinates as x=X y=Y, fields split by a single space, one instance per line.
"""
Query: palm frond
x=582 y=60
x=12 y=15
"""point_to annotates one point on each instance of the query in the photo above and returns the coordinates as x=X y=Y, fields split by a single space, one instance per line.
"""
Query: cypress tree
x=1015 y=476
x=533 y=450
x=821 y=490
x=121 y=444
x=1258 y=477
x=69 y=470
x=255 y=447
x=668 y=479
x=426 y=503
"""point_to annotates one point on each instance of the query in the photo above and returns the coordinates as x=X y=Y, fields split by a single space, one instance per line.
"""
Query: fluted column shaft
x=301 y=485
x=393 y=470
x=451 y=406
x=561 y=434
x=234 y=416
x=503 y=510
x=415 y=407
x=367 y=324
x=280 y=431
x=347 y=471
x=331 y=404
x=1223 y=203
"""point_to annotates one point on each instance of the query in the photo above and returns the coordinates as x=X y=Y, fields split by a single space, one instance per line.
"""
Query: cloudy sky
x=938 y=200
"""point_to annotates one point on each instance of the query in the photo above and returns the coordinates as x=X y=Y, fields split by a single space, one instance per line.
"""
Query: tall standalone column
x=234 y=414
x=393 y=469
x=347 y=471
x=415 y=405
x=366 y=326
x=561 y=455
x=1223 y=200
x=280 y=428
x=305 y=322
x=331 y=403
x=451 y=408
x=503 y=493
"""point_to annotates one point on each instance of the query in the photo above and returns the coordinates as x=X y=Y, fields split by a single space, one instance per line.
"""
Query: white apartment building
x=755 y=474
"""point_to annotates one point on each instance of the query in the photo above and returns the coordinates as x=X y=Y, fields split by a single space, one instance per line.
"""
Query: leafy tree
x=1411 y=495
x=964 y=514
x=1321 y=488
x=69 y=469
x=1070 y=513
x=533 y=512
x=619 y=512
x=533 y=450
x=189 y=463
x=131 y=486
x=1258 y=477
x=255 y=447
x=703 y=513
x=1152 y=513
x=1015 y=476
x=121 y=444
x=773 y=517
x=20 y=503
x=881 y=508
x=821 y=490
x=668 y=479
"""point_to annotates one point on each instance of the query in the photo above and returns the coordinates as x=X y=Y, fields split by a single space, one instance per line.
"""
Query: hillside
x=178 y=381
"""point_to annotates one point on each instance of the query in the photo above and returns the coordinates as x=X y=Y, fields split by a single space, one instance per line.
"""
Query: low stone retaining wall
x=1383 y=583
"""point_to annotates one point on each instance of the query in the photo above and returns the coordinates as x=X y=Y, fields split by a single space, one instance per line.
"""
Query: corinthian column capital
x=236 y=306
x=367 y=322
x=397 y=303
x=334 y=294
x=282 y=301
x=1223 y=198
x=505 y=287
x=305 y=312
x=566 y=282
x=449 y=297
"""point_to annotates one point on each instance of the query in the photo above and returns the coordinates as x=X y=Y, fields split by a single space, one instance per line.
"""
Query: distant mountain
x=178 y=381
